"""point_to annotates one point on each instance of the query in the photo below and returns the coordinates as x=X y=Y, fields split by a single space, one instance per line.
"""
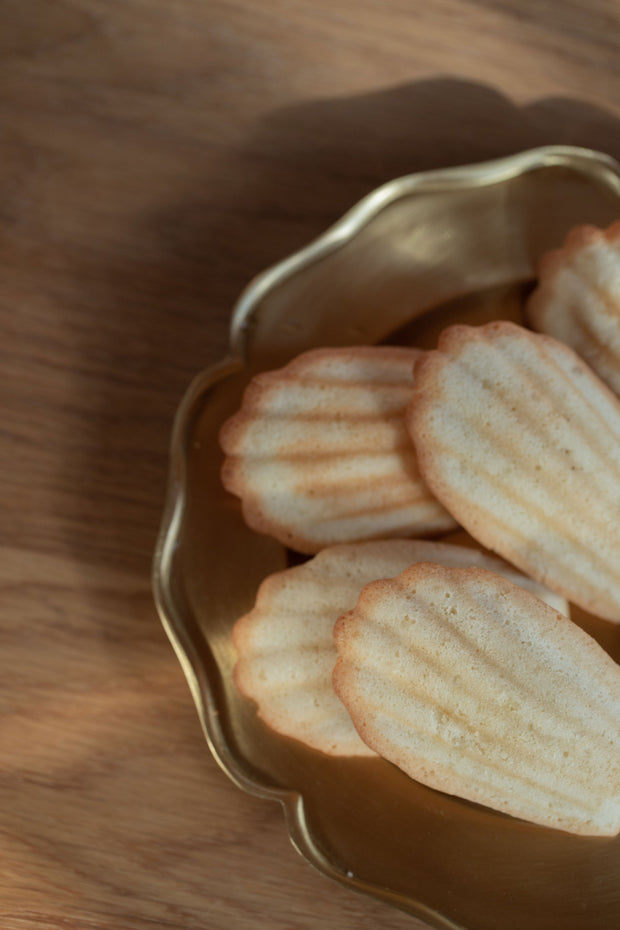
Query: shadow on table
x=305 y=165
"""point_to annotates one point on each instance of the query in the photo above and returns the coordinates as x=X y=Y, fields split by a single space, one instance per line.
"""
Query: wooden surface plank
x=153 y=157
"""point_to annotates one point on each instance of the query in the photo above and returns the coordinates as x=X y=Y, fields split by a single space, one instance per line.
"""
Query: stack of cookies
x=462 y=668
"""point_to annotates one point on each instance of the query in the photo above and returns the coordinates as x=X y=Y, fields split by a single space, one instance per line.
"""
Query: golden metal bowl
x=416 y=254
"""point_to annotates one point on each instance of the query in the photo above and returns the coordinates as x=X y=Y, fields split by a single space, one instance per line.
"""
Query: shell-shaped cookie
x=521 y=442
x=477 y=688
x=285 y=646
x=319 y=453
x=577 y=299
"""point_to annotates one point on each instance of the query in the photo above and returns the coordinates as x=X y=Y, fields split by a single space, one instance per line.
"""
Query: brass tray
x=418 y=253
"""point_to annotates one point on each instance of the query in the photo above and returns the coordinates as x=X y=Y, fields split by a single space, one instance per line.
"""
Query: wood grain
x=153 y=157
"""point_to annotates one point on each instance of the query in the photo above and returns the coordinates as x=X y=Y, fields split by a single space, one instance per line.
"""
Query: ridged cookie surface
x=477 y=688
x=285 y=646
x=521 y=442
x=578 y=298
x=319 y=453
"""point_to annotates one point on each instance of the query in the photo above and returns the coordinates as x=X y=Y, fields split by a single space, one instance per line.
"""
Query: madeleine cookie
x=520 y=441
x=475 y=687
x=578 y=298
x=285 y=646
x=319 y=453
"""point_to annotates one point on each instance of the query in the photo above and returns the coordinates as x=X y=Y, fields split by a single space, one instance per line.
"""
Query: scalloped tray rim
x=170 y=614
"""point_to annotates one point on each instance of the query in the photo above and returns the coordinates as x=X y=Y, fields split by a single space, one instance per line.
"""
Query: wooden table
x=153 y=157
